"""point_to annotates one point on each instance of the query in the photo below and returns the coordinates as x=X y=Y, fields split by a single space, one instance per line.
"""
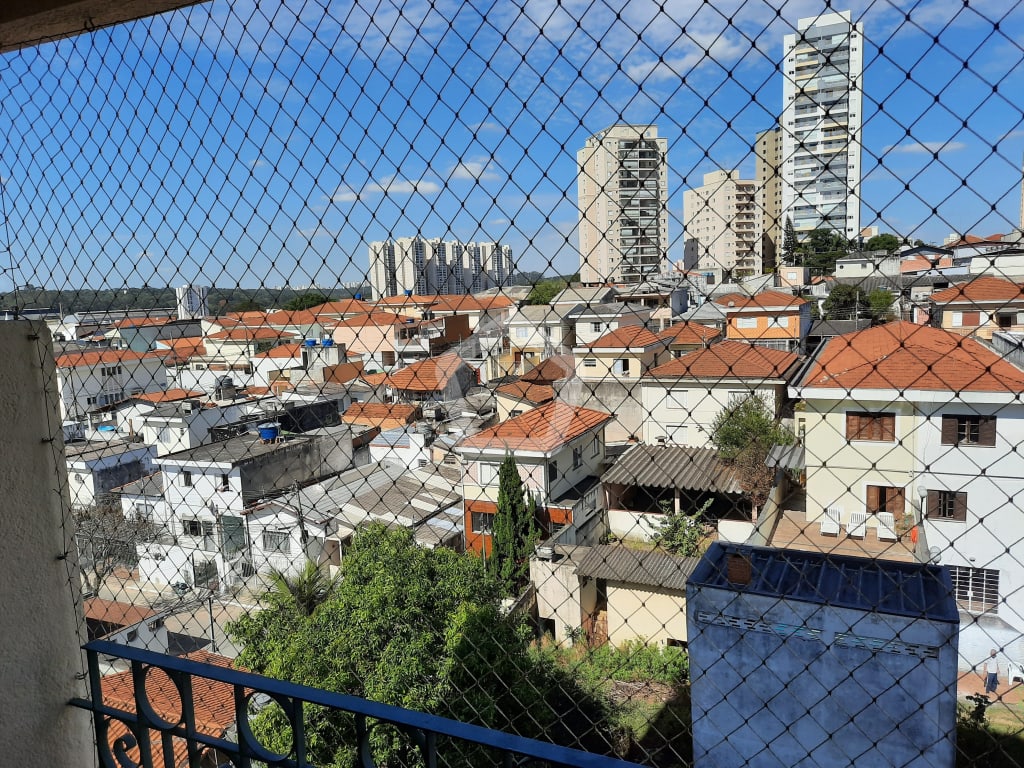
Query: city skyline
x=251 y=205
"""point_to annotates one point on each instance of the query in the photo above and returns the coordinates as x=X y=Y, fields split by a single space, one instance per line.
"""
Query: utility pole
x=213 y=636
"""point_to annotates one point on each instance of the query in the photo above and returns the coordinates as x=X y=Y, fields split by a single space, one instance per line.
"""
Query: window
x=946 y=505
x=1006 y=321
x=522 y=333
x=623 y=365
x=595 y=327
x=142 y=511
x=746 y=322
x=482 y=522
x=577 y=457
x=487 y=474
x=870 y=426
x=675 y=399
x=513 y=414
x=883 y=498
x=968 y=430
x=186 y=478
x=590 y=362
x=676 y=433
x=552 y=472
x=132 y=636
x=596 y=446
x=279 y=542
x=197 y=528
x=976 y=589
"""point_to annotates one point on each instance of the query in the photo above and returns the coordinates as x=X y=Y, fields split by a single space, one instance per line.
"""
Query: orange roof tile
x=254 y=391
x=542 y=429
x=283 y=350
x=140 y=322
x=903 y=355
x=375 y=379
x=980 y=289
x=763 y=300
x=429 y=375
x=106 y=356
x=920 y=263
x=975 y=240
x=375 y=318
x=554 y=368
x=381 y=414
x=342 y=307
x=254 y=317
x=729 y=360
x=168 y=396
x=250 y=334
x=528 y=391
x=343 y=372
x=188 y=345
x=401 y=299
x=626 y=337
x=689 y=333
x=113 y=612
x=291 y=317
x=460 y=303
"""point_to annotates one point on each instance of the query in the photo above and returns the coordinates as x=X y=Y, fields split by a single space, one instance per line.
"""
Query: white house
x=184 y=424
x=97 y=467
x=97 y=377
x=594 y=321
x=684 y=396
x=920 y=427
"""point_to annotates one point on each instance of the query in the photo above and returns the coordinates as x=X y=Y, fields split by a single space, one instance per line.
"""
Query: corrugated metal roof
x=674 y=466
x=915 y=590
x=653 y=568
x=786 y=456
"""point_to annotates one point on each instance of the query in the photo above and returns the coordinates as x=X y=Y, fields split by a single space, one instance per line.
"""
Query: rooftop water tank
x=309 y=342
x=268 y=431
x=327 y=342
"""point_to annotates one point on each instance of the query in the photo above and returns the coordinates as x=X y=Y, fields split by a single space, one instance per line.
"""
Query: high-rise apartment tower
x=623 y=199
x=724 y=227
x=416 y=265
x=821 y=125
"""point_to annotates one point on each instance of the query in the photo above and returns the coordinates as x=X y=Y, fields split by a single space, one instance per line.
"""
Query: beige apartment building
x=724 y=226
x=623 y=200
x=768 y=177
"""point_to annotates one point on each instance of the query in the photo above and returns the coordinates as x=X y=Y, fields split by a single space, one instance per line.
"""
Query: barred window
x=968 y=430
x=277 y=542
x=976 y=589
x=947 y=505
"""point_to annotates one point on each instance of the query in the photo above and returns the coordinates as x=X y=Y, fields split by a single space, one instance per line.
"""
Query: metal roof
x=653 y=568
x=786 y=456
x=914 y=590
x=674 y=466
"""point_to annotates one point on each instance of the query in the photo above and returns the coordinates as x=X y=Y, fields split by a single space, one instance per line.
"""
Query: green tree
x=303 y=592
x=880 y=305
x=515 y=530
x=885 y=242
x=823 y=247
x=845 y=302
x=790 y=244
x=683 y=534
x=545 y=290
x=421 y=629
x=306 y=301
x=246 y=305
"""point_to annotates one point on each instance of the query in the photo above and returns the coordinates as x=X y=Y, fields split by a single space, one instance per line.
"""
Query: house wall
x=77 y=385
x=585 y=333
x=651 y=614
x=170 y=434
x=606 y=362
x=621 y=397
x=293 y=561
x=951 y=318
x=788 y=325
x=839 y=471
x=694 y=405
x=370 y=341
x=560 y=594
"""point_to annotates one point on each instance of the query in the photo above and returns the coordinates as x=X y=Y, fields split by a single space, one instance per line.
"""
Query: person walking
x=991 y=672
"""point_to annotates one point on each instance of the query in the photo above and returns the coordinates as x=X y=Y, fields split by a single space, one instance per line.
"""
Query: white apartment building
x=623 y=201
x=724 y=226
x=422 y=267
x=192 y=301
x=821 y=125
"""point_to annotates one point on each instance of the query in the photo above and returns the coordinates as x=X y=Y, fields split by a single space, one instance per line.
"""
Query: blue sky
x=262 y=144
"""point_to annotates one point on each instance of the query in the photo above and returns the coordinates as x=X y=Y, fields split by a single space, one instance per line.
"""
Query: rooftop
x=105 y=356
x=554 y=368
x=528 y=391
x=982 y=289
x=542 y=429
x=674 y=466
x=689 y=333
x=764 y=300
x=651 y=568
x=113 y=612
x=234 y=450
x=169 y=396
x=431 y=375
x=627 y=337
x=150 y=485
x=728 y=360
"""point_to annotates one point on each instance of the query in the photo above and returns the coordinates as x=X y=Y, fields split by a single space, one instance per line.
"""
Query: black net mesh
x=643 y=378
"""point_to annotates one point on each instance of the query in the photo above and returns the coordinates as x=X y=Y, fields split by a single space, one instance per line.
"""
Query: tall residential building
x=821 y=125
x=623 y=199
x=723 y=226
x=768 y=176
x=192 y=301
x=419 y=266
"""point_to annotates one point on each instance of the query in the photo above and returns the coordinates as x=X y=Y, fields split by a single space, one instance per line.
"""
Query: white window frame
x=487 y=473
x=746 y=323
x=283 y=539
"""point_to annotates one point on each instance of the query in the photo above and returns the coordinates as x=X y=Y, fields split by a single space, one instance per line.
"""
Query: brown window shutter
x=852 y=425
x=960 y=507
x=897 y=502
x=972 y=318
x=987 y=431
x=932 y=504
x=888 y=421
x=949 y=430
x=872 y=500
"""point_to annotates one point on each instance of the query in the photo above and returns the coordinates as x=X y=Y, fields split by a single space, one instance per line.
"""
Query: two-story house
x=689 y=336
x=979 y=307
x=559 y=450
x=769 y=319
x=919 y=429
x=537 y=331
x=625 y=353
x=420 y=339
x=446 y=377
x=371 y=336
x=94 y=378
x=684 y=396
x=591 y=322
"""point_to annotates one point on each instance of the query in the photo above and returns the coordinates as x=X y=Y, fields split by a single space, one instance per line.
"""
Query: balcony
x=162 y=733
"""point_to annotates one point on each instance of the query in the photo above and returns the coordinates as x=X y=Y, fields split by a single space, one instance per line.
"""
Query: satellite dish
x=934 y=554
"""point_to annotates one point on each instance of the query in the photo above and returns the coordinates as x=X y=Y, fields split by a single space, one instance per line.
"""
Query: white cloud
x=345 y=194
x=318 y=231
x=475 y=168
x=925 y=147
x=689 y=55
x=389 y=185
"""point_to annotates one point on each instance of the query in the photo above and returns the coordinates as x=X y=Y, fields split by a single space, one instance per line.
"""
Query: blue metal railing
x=145 y=723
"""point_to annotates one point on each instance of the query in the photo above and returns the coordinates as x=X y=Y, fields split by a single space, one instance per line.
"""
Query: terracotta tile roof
x=343 y=372
x=140 y=322
x=254 y=391
x=186 y=347
x=379 y=414
x=429 y=375
x=921 y=264
x=284 y=350
x=975 y=240
x=401 y=299
x=980 y=289
x=113 y=612
x=254 y=317
x=459 y=303
x=542 y=429
x=106 y=356
x=528 y=391
x=904 y=355
x=291 y=317
x=763 y=300
x=554 y=368
x=169 y=396
x=375 y=318
x=729 y=360
x=342 y=307
x=250 y=334
x=375 y=379
x=689 y=333
x=626 y=337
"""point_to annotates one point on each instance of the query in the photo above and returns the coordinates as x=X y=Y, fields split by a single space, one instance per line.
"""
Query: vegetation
x=420 y=629
x=515 y=531
x=302 y=593
x=545 y=290
x=683 y=534
x=886 y=241
x=107 y=540
x=849 y=302
x=306 y=301
x=790 y=244
x=822 y=248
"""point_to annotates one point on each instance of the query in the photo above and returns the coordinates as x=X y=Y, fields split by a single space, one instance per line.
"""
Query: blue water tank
x=327 y=342
x=268 y=430
x=309 y=342
x=359 y=297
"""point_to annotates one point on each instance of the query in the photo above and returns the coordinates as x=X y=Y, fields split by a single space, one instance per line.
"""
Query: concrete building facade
x=768 y=179
x=724 y=227
x=623 y=202
x=420 y=266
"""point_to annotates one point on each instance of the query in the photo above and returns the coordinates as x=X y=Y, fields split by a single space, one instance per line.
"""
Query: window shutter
x=852 y=425
x=972 y=318
x=872 y=500
x=888 y=426
x=897 y=502
x=987 y=431
x=949 y=430
x=960 y=507
x=932 y=504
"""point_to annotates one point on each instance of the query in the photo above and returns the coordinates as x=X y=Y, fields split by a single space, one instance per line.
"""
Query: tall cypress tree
x=515 y=530
x=789 y=242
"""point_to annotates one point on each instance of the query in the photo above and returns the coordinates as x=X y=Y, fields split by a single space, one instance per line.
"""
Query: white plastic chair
x=830 y=521
x=886 y=526
x=858 y=525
